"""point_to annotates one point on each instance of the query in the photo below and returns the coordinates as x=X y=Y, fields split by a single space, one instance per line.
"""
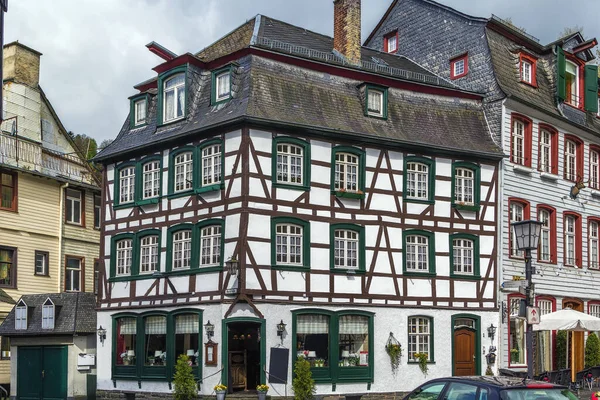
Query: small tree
x=561 y=349
x=303 y=383
x=592 y=351
x=185 y=385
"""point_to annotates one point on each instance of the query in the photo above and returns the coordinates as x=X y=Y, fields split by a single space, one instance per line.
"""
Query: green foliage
x=395 y=352
x=303 y=383
x=569 y=30
x=561 y=349
x=422 y=358
x=86 y=145
x=592 y=351
x=183 y=380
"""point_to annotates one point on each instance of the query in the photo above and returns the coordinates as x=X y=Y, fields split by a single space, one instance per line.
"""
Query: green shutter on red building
x=591 y=88
x=561 y=66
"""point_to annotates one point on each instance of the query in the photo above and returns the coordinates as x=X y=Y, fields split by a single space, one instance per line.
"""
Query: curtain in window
x=169 y=105
x=354 y=325
x=180 y=101
x=156 y=326
x=187 y=324
x=127 y=326
x=307 y=324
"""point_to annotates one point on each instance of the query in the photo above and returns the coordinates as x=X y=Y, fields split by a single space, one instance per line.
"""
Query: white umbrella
x=568 y=320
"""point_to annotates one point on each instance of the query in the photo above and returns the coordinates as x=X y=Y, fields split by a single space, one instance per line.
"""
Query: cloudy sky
x=94 y=50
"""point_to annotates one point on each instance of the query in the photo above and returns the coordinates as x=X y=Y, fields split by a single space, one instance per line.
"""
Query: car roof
x=498 y=382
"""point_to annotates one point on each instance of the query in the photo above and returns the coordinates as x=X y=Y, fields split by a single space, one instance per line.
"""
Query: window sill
x=132 y=278
x=419 y=274
x=549 y=177
x=9 y=210
x=123 y=206
x=194 y=270
x=418 y=201
x=409 y=362
x=209 y=188
x=292 y=268
x=290 y=186
x=465 y=277
x=224 y=100
x=349 y=195
x=42 y=275
x=533 y=85
x=376 y=116
x=74 y=224
x=146 y=202
x=347 y=271
x=595 y=193
x=180 y=194
x=466 y=207
x=522 y=169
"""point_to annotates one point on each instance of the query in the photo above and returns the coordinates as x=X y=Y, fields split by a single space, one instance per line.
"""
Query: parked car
x=489 y=388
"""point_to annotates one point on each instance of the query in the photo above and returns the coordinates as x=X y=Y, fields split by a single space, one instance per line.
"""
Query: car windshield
x=537 y=394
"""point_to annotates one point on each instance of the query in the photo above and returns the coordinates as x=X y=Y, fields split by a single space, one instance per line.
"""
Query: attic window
x=174 y=98
x=48 y=314
x=21 y=315
x=390 y=42
x=459 y=66
x=221 y=83
x=139 y=111
x=528 y=69
x=376 y=104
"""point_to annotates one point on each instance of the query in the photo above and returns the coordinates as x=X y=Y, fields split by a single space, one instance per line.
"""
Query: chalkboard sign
x=278 y=370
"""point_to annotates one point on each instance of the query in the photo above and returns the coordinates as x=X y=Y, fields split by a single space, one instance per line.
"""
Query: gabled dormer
x=48 y=314
x=21 y=315
x=577 y=82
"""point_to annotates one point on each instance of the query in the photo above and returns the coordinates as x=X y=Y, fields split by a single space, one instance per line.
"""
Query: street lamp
x=491 y=332
x=232 y=266
x=527 y=237
x=280 y=330
x=210 y=330
x=102 y=335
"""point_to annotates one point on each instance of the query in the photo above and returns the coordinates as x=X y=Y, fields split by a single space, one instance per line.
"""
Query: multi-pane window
x=595 y=169
x=593 y=244
x=127 y=185
x=545 y=235
x=182 y=249
x=312 y=334
x=155 y=328
x=516 y=339
x=544 y=339
x=417 y=180
x=570 y=240
x=174 y=98
x=419 y=337
x=140 y=112
x=463 y=186
x=570 y=160
x=8 y=191
x=7 y=266
x=572 y=83
x=375 y=102
x=223 y=88
x=346 y=171
x=392 y=43
x=97 y=211
x=288 y=241
x=518 y=142
x=289 y=164
x=459 y=67
x=594 y=310
x=21 y=316
x=517 y=211
x=211 y=165
x=210 y=246
x=463 y=257
x=41 y=262
x=125 y=346
x=346 y=249
x=353 y=340
x=73 y=274
x=417 y=253
x=149 y=254
x=526 y=75
x=74 y=201
x=48 y=315
x=151 y=179
x=124 y=257
x=187 y=337
x=546 y=151
x=184 y=169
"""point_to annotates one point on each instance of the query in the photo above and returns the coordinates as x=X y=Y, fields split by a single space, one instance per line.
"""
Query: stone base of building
x=119 y=394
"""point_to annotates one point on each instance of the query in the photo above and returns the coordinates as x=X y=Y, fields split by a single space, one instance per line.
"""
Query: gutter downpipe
x=60 y=232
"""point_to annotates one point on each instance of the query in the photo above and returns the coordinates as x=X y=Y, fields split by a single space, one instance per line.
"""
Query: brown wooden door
x=464 y=352
x=237 y=368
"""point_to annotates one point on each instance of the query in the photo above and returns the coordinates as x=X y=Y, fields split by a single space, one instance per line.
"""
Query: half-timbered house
x=542 y=104
x=355 y=191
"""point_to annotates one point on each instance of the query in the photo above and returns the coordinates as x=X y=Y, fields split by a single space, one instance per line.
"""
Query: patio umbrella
x=568 y=320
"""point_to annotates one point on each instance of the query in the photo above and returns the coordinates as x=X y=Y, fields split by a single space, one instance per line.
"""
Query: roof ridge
x=226 y=35
x=298 y=27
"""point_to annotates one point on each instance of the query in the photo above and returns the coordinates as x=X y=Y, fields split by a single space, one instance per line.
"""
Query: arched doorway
x=466 y=353
x=576 y=342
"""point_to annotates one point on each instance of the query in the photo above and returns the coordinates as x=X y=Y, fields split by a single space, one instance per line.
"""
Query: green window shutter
x=591 y=88
x=561 y=66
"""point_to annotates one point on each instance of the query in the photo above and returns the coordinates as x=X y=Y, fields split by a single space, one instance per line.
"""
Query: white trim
x=288 y=244
x=290 y=164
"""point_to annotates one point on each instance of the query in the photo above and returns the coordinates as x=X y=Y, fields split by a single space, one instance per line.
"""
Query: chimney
x=21 y=64
x=346 y=29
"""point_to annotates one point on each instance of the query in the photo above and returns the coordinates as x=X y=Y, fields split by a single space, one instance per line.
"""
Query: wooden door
x=238 y=369
x=464 y=352
x=42 y=373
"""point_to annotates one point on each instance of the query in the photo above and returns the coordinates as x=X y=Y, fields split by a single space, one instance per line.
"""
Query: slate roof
x=75 y=313
x=275 y=93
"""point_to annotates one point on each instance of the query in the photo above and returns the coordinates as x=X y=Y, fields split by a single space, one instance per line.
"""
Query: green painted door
x=42 y=373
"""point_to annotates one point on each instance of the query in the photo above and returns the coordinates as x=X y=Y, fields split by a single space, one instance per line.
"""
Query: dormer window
x=48 y=314
x=174 y=98
x=221 y=85
x=572 y=83
x=577 y=83
x=21 y=315
x=528 y=69
x=390 y=42
x=459 y=66
x=376 y=105
x=139 y=111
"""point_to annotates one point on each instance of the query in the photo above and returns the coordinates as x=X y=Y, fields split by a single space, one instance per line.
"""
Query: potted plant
x=319 y=362
x=262 y=391
x=394 y=350
x=185 y=387
x=514 y=355
x=127 y=357
x=422 y=358
x=220 y=390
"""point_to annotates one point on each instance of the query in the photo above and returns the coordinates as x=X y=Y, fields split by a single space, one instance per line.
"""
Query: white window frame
x=176 y=89
x=211 y=165
x=526 y=71
x=45 y=261
x=182 y=249
x=76 y=218
x=346 y=249
x=374 y=96
x=347 y=170
x=570 y=239
x=594 y=244
x=417 y=253
x=518 y=142
x=464 y=256
x=127 y=185
x=595 y=169
x=464 y=189
x=71 y=271
x=21 y=316
x=544 y=216
x=594 y=310
x=459 y=67
x=48 y=314
x=517 y=213
x=210 y=245
x=574 y=100
x=288 y=244
x=419 y=337
x=570 y=160
x=290 y=164
x=139 y=109
x=124 y=256
x=149 y=249
x=392 y=39
x=545 y=151
x=151 y=176
x=220 y=96
x=515 y=304
x=184 y=171
x=417 y=181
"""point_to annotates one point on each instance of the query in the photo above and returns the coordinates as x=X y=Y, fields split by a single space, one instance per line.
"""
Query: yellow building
x=49 y=197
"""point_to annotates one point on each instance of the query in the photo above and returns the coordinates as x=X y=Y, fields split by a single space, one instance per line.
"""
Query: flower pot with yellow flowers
x=262 y=391
x=221 y=391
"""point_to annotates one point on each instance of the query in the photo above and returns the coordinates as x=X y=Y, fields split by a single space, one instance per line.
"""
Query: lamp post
x=527 y=237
